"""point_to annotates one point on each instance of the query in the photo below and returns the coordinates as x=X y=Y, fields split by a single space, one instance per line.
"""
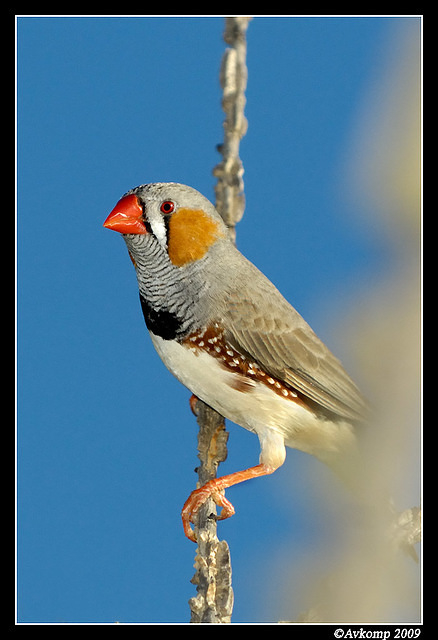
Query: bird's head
x=179 y=218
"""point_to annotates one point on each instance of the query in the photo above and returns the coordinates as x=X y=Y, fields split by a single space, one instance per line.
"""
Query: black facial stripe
x=166 y=226
x=147 y=224
x=145 y=220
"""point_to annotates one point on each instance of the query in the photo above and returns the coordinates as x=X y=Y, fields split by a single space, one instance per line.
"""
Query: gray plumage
x=224 y=287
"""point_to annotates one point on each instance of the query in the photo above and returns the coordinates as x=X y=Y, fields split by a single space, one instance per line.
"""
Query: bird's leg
x=215 y=489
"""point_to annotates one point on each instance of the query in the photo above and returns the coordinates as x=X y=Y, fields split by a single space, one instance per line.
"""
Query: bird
x=226 y=333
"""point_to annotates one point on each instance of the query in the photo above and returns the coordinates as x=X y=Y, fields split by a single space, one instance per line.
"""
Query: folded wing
x=262 y=324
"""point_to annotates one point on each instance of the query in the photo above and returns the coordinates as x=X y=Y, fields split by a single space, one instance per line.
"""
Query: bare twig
x=230 y=201
x=406 y=530
x=214 y=599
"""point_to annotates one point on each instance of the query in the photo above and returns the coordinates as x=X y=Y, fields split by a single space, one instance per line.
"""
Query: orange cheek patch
x=191 y=233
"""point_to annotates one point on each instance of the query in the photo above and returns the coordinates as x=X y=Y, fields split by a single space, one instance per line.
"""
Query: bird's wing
x=262 y=324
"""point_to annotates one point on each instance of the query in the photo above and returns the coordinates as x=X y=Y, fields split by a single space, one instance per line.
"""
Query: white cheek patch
x=158 y=227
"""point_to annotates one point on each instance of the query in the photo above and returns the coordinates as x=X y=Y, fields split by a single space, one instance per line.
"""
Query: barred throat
x=168 y=308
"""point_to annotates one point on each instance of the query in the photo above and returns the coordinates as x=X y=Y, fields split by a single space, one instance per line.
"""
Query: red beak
x=126 y=217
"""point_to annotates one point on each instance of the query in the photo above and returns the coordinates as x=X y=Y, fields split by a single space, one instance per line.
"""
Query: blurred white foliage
x=361 y=575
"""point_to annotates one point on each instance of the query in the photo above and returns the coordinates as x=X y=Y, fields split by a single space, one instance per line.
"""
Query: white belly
x=257 y=407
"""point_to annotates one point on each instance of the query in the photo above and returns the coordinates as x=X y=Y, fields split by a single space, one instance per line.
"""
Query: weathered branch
x=230 y=200
x=214 y=599
x=406 y=530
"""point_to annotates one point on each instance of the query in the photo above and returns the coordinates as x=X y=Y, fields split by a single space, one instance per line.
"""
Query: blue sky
x=106 y=439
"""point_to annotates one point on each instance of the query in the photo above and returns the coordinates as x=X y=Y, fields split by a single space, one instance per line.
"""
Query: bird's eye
x=167 y=206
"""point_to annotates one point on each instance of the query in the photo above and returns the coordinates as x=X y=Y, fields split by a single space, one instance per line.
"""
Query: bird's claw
x=196 y=499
